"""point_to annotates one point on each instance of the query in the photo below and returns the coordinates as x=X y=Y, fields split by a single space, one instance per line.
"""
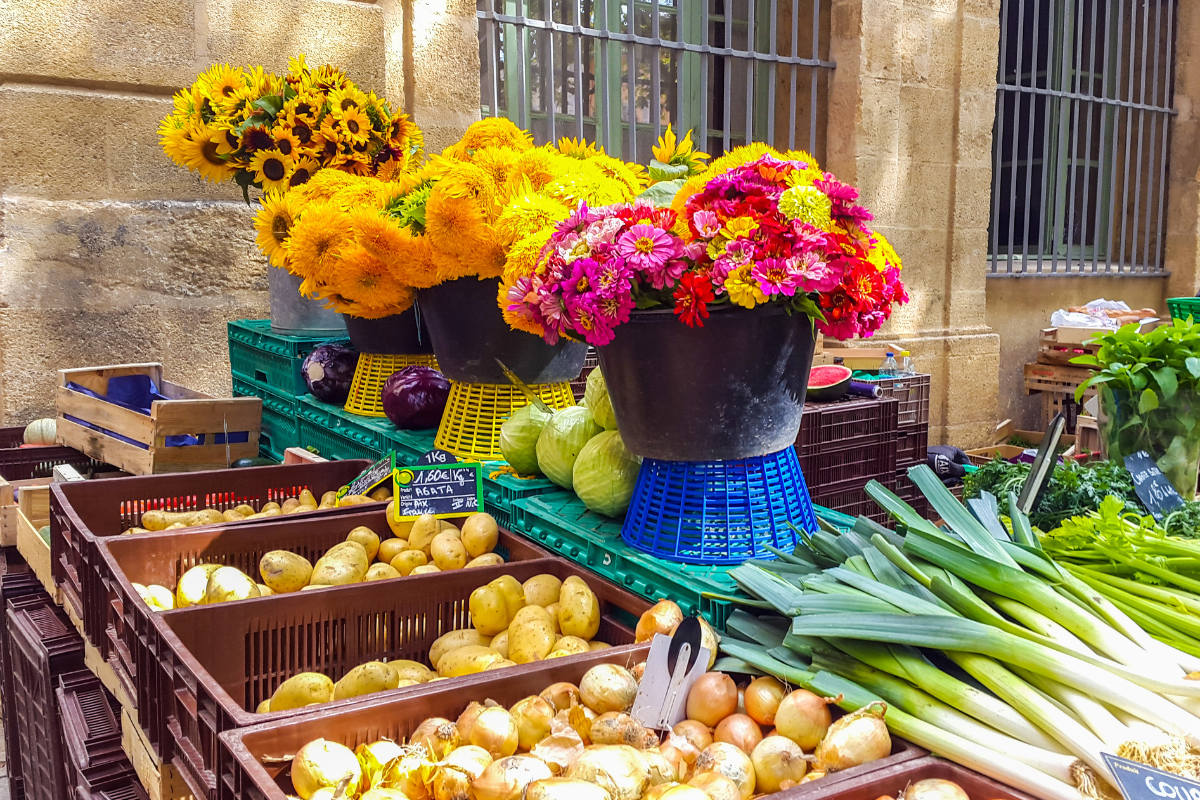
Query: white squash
x=41 y=431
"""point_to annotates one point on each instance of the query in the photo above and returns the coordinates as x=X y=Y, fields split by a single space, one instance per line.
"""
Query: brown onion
x=777 y=759
x=656 y=792
x=406 y=773
x=804 y=718
x=560 y=695
x=716 y=786
x=676 y=759
x=507 y=778
x=934 y=789
x=684 y=792
x=619 y=728
x=608 y=687
x=467 y=719
x=740 y=731
x=437 y=734
x=660 y=769
x=731 y=762
x=495 y=730
x=713 y=697
x=762 y=698
x=532 y=716
x=616 y=767
x=564 y=789
x=374 y=757
x=454 y=775
x=697 y=734
x=638 y=671
x=815 y=775
x=662 y=618
x=855 y=739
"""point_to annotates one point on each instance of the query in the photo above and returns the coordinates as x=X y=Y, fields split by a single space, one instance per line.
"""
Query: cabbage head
x=561 y=440
x=605 y=474
x=518 y=438
x=595 y=397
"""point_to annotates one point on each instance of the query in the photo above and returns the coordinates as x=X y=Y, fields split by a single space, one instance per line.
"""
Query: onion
x=378 y=793
x=615 y=767
x=638 y=671
x=495 y=730
x=804 y=718
x=436 y=734
x=660 y=769
x=684 y=792
x=374 y=757
x=740 y=731
x=565 y=789
x=321 y=763
x=855 y=739
x=663 y=617
x=507 y=778
x=815 y=775
x=406 y=773
x=676 y=758
x=532 y=716
x=453 y=778
x=777 y=759
x=762 y=698
x=560 y=695
x=656 y=792
x=716 y=786
x=731 y=762
x=713 y=697
x=696 y=734
x=934 y=789
x=608 y=687
x=618 y=728
x=467 y=719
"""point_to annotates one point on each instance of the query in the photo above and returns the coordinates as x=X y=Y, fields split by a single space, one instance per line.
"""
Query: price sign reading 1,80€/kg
x=453 y=490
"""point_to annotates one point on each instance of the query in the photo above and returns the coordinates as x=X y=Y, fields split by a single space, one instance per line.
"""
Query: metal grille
x=1083 y=119
x=618 y=71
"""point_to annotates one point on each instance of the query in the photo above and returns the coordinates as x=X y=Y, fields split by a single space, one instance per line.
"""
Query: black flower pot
x=400 y=334
x=731 y=389
x=470 y=334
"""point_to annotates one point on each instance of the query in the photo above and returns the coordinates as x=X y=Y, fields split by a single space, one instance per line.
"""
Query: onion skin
x=777 y=759
x=495 y=730
x=684 y=792
x=321 y=763
x=560 y=695
x=697 y=734
x=616 y=767
x=608 y=687
x=507 y=778
x=727 y=760
x=713 y=697
x=934 y=789
x=565 y=789
x=532 y=716
x=663 y=617
x=740 y=731
x=438 y=735
x=804 y=718
x=855 y=739
x=762 y=698
x=453 y=778
x=466 y=720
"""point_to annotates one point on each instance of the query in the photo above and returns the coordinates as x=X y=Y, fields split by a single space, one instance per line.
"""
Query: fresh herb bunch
x=1074 y=489
x=1149 y=387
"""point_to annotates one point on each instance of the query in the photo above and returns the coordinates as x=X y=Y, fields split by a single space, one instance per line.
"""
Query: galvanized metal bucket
x=293 y=314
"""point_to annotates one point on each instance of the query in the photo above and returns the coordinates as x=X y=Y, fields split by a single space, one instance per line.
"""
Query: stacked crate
x=911 y=394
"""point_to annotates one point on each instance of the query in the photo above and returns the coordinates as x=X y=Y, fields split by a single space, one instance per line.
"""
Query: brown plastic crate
x=91 y=733
x=912 y=394
x=862 y=461
x=19 y=463
x=223 y=660
x=590 y=362
x=891 y=782
x=20 y=585
x=912 y=446
x=845 y=423
x=146 y=558
x=120 y=788
x=850 y=497
x=83 y=511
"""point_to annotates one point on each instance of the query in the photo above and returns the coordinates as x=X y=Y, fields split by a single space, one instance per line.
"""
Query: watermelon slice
x=828 y=382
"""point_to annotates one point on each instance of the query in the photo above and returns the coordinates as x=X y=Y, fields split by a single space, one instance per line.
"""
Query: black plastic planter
x=732 y=389
x=402 y=334
x=470 y=334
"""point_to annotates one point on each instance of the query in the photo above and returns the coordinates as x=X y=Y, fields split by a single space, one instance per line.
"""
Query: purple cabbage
x=414 y=398
x=328 y=371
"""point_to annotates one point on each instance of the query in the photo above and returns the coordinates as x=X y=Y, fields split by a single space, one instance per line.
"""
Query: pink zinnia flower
x=611 y=278
x=645 y=247
x=707 y=223
x=812 y=274
x=602 y=231
x=615 y=310
x=667 y=274
x=774 y=277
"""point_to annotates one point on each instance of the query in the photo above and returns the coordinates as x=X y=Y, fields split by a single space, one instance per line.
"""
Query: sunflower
x=200 y=154
x=273 y=222
x=327 y=77
x=173 y=137
x=358 y=194
x=497 y=162
x=471 y=181
x=271 y=169
x=617 y=170
x=492 y=131
x=226 y=140
x=585 y=182
x=360 y=277
x=669 y=150
x=305 y=167
x=454 y=224
x=221 y=84
x=539 y=165
x=324 y=145
x=393 y=169
x=345 y=98
x=382 y=236
x=315 y=241
x=581 y=149
x=286 y=142
x=325 y=184
x=524 y=255
x=256 y=138
x=529 y=213
x=354 y=126
x=305 y=106
x=515 y=321
x=352 y=163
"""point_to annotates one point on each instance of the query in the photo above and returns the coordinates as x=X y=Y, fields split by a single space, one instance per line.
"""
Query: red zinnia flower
x=692 y=296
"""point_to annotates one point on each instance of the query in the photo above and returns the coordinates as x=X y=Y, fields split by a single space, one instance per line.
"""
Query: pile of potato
x=427 y=545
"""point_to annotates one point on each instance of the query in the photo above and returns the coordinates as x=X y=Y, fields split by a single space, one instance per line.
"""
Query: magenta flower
x=738 y=253
x=645 y=247
x=615 y=310
x=610 y=278
x=707 y=223
x=774 y=277
x=587 y=320
x=666 y=275
x=812 y=274
x=579 y=280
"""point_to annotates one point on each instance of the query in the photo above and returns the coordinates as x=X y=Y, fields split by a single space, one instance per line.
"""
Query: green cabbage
x=561 y=440
x=605 y=474
x=595 y=397
x=519 y=436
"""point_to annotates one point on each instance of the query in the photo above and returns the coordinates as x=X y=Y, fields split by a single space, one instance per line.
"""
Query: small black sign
x=1152 y=487
x=1140 y=782
x=371 y=477
x=444 y=491
x=436 y=458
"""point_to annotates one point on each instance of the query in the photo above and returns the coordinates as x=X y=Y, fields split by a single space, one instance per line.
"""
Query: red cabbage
x=414 y=397
x=328 y=371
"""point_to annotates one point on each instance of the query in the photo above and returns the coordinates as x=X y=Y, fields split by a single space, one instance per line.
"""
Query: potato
x=467 y=660
x=176 y=526
x=354 y=500
x=328 y=500
x=193 y=585
x=381 y=493
x=367 y=538
x=480 y=534
x=285 y=571
x=448 y=552
x=552 y=610
x=409 y=560
x=425 y=570
x=400 y=528
x=499 y=643
x=264 y=590
x=264 y=707
x=454 y=639
x=290 y=505
x=514 y=594
x=501 y=664
x=390 y=548
x=161 y=520
x=381 y=572
x=227 y=584
x=368 y=678
x=594 y=646
x=489 y=612
x=485 y=560
x=423 y=530
x=160 y=597
x=343 y=563
x=578 y=610
x=271 y=506
x=530 y=636
x=313 y=586
x=306 y=498
x=542 y=590
x=302 y=690
x=244 y=509
x=572 y=644
x=412 y=671
x=265 y=513
x=231 y=515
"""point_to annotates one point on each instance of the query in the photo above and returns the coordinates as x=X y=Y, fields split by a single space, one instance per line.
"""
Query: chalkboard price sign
x=1152 y=487
x=1140 y=782
x=369 y=478
x=454 y=490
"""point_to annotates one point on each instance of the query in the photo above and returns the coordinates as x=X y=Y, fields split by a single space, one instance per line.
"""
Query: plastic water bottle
x=889 y=368
x=907 y=365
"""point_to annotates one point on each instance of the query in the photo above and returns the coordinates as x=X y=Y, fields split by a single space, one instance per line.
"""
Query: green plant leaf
x=667 y=172
x=1193 y=366
x=1148 y=401
x=662 y=193
x=1168 y=381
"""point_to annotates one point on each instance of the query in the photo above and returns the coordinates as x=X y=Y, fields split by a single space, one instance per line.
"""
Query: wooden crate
x=982 y=455
x=864 y=358
x=1057 y=346
x=9 y=491
x=186 y=412
x=162 y=780
x=33 y=513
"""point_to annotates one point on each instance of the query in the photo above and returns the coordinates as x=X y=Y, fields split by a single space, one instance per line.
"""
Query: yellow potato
x=243 y=509
x=264 y=590
x=578 y=610
x=552 y=610
x=285 y=571
x=355 y=500
x=572 y=644
x=489 y=612
x=328 y=500
x=401 y=528
x=160 y=597
x=454 y=639
x=231 y=515
x=530 y=636
x=381 y=572
x=499 y=643
x=423 y=530
x=368 y=678
x=367 y=538
x=227 y=584
x=390 y=548
x=445 y=525
x=265 y=513
x=594 y=646
x=480 y=534
x=501 y=664
x=467 y=660
x=264 y=707
x=161 y=520
x=381 y=493
x=448 y=552
x=307 y=498
x=313 y=586
x=343 y=563
x=485 y=560
x=409 y=560
x=193 y=585
x=412 y=671
x=514 y=595
x=271 y=506
x=542 y=590
x=302 y=690
x=290 y=505
x=425 y=570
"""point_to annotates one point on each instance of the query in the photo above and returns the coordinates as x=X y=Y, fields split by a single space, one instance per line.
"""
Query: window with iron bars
x=1083 y=123
x=617 y=72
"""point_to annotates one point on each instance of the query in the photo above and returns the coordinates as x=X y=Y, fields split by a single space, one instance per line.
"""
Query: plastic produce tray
x=590 y=362
x=912 y=394
x=851 y=498
x=19 y=463
x=1184 y=307
x=223 y=660
x=273 y=359
x=560 y=522
x=91 y=733
x=500 y=492
x=912 y=445
x=844 y=423
x=337 y=434
x=408 y=445
x=83 y=511
x=891 y=781
x=279 y=429
x=17 y=583
x=131 y=637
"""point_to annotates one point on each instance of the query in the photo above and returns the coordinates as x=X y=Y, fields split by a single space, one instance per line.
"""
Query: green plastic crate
x=500 y=492
x=560 y=522
x=408 y=445
x=279 y=427
x=336 y=434
x=257 y=354
x=1184 y=307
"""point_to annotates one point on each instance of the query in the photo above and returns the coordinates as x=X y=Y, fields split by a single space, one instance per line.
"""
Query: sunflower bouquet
x=757 y=227
x=275 y=132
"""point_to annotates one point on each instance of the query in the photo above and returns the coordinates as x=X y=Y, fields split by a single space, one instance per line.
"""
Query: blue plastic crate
x=272 y=359
x=334 y=433
x=560 y=522
x=718 y=512
x=501 y=491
